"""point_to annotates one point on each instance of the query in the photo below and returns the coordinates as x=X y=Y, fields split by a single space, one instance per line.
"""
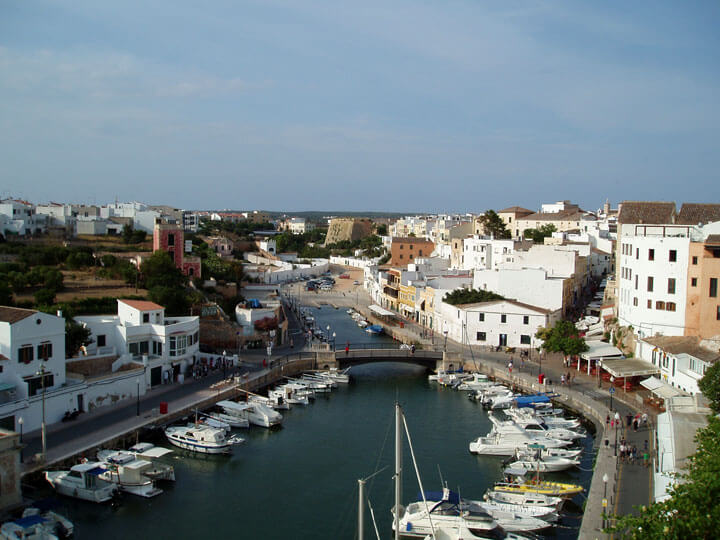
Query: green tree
x=538 y=235
x=44 y=297
x=127 y=233
x=381 y=230
x=493 y=224
x=160 y=270
x=563 y=337
x=76 y=336
x=6 y=295
x=173 y=299
x=710 y=386
x=470 y=296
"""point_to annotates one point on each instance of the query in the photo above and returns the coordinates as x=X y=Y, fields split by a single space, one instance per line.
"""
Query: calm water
x=301 y=481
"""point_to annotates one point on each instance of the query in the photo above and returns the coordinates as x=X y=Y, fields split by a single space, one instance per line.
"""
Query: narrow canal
x=300 y=481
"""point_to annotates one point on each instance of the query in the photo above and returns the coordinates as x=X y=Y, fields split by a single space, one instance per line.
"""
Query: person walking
x=607 y=421
x=510 y=367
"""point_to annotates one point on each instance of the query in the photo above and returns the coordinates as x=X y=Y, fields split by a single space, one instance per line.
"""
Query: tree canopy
x=710 y=386
x=493 y=224
x=470 y=296
x=563 y=338
x=538 y=235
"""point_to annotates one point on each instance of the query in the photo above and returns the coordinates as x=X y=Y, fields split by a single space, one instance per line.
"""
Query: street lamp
x=137 y=412
x=334 y=336
x=617 y=420
x=20 y=423
x=604 y=501
x=41 y=372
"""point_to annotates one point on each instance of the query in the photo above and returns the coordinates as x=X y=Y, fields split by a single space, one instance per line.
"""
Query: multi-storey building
x=170 y=238
x=406 y=250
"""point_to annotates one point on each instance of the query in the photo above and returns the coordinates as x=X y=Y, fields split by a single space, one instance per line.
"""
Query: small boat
x=227 y=419
x=27 y=528
x=540 y=487
x=375 y=329
x=240 y=411
x=55 y=523
x=127 y=472
x=547 y=464
x=542 y=451
x=82 y=482
x=155 y=454
x=525 y=499
x=202 y=439
x=262 y=415
x=277 y=400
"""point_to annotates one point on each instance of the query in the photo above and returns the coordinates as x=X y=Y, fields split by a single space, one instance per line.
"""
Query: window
x=635 y=301
x=481 y=317
x=157 y=348
x=717 y=314
x=526 y=319
x=636 y=281
x=650 y=284
x=651 y=254
x=101 y=341
x=524 y=339
x=693 y=282
x=671 y=285
x=44 y=351
x=178 y=345
x=649 y=304
x=659 y=304
x=694 y=260
x=146 y=317
x=134 y=348
x=670 y=306
x=503 y=318
x=171 y=239
x=673 y=255
x=35 y=384
x=401 y=256
x=713 y=287
x=420 y=253
x=637 y=253
x=25 y=354
x=481 y=336
x=402 y=246
x=411 y=246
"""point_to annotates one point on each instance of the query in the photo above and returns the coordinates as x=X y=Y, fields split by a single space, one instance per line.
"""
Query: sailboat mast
x=361 y=513
x=398 y=467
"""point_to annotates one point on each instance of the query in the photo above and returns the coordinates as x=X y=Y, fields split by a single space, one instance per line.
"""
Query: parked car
x=356 y=282
x=344 y=276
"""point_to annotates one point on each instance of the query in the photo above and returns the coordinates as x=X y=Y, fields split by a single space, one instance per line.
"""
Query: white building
x=683 y=360
x=504 y=323
x=140 y=332
x=533 y=286
x=652 y=278
x=485 y=253
x=191 y=221
x=19 y=217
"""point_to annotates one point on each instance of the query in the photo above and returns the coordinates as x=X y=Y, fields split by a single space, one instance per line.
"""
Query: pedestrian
x=634 y=453
x=607 y=421
x=347 y=349
x=510 y=367
x=629 y=419
x=612 y=424
x=622 y=452
x=646 y=446
x=412 y=349
x=644 y=419
x=562 y=380
x=646 y=458
x=635 y=425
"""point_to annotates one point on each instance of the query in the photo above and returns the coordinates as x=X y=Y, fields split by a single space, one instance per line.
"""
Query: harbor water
x=300 y=481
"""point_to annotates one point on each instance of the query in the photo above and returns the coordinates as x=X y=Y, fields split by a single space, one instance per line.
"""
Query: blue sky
x=375 y=105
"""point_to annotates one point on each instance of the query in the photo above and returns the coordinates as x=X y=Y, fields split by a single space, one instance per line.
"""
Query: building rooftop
x=566 y=215
x=410 y=240
x=695 y=213
x=500 y=301
x=646 y=212
x=515 y=210
x=12 y=315
x=142 y=305
x=683 y=344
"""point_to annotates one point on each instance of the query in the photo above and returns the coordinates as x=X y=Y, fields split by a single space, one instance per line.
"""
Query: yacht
x=333 y=374
x=262 y=415
x=525 y=499
x=497 y=510
x=227 y=419
x=507 y=444
x=128 y=473
x=202 y=439
x=478 y=381
x=239 y=411
x=536 y=486
x=292 y=395
x=532 y=451
x=536 y=429
x=276 y=399
x=27 y=528
x=155 y=454
x=546 y=464
x=82 y=482
x=524 y=415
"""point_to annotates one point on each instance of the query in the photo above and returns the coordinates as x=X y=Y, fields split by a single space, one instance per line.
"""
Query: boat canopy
x=29 y=521
x=232 y=405
x=452 y=497
x=529 y=401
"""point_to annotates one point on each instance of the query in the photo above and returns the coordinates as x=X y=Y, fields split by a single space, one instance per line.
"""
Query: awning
x=598 y=350
x=628 y=367
x=381 y=311
x=660 y=388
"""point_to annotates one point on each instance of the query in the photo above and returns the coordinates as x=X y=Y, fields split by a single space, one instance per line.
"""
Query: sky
x=401 y=105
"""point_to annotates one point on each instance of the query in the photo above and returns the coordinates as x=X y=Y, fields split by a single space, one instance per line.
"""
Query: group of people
x=631 y=454
x=567 y=378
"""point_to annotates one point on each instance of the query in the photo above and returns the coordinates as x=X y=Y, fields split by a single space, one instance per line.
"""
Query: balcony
x=389 y=291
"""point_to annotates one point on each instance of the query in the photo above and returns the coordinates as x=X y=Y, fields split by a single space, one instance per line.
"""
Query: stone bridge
x=433 y=360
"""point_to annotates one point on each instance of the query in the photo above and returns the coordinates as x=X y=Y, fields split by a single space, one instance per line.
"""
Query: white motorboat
x=277 y=400
x=496 y=444
x=82 y=482
x=293 y=395
x=228 y=419
x=547 y=464
x=536 y=430
x=532 y=451
x=510 y=520
x=262 y=415
x=202 y=439
x=498 y=510
x=503 y=401
x=477 y=381
x=239 y=411
x=127 y=472
x=529 y=415
x=320 y=379
x=55 y=523
x=155 y=454
x=208 y=420
x=315 y=386
x=525 y=499
x=27 y=528
x=335 y=375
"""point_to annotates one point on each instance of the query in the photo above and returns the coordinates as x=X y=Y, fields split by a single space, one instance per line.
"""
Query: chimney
x=59 y=313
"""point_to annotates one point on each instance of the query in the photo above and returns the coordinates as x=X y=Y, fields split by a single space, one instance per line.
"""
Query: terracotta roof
x=142 y=305
x=694 y=213
x=515 y=210
x=683 y=344
x=13 y=315
x=3 y=357
x=713 y=240
x=566 y=215
x=646 y=212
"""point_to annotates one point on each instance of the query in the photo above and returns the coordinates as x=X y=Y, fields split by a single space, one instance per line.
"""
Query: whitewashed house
x=140 y=332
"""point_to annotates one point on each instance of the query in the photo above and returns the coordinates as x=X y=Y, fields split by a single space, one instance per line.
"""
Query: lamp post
x=605 y=481
x=41 y=372
x=604 y=501
x=617 y=420
x=334 y=336
x=137 y=412
x=20 y=423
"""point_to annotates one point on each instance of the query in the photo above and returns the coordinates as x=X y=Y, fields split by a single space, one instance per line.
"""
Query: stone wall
x=348 y=229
